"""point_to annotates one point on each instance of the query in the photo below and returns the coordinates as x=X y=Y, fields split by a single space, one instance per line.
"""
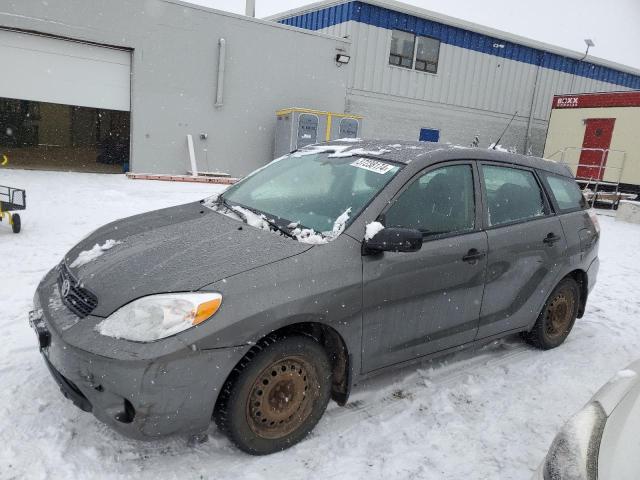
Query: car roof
x=428 y=153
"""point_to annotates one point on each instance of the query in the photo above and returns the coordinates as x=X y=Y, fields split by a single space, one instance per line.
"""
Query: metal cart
x=12 y=199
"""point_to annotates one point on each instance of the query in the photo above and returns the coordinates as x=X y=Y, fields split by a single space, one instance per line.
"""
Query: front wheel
x=276 y=395
x=557 y=317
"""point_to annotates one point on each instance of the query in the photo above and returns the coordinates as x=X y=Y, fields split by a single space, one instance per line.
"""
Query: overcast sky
x=614 y=25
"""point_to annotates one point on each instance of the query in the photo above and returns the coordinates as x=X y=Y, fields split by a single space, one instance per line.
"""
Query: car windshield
x=315 y=192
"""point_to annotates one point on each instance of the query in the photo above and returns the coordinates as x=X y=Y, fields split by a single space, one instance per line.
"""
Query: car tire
x=276 y=395
x=557 y=316
x=15 y=223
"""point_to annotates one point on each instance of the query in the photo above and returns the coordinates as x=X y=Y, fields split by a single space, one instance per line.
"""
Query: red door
x=597 y=135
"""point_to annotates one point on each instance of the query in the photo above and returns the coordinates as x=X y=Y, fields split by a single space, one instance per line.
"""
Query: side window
x=427 y=54
x=512 y=195
x=407 y=47
x=440 y=201
x=566 y=192
x=402 y=47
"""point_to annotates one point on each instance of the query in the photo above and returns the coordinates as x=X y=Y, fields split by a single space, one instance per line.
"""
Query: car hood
x=176 y=249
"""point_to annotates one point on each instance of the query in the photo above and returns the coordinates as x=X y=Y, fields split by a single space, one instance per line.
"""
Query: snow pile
x=500 y=148
x=309 y=235
x=353 y=140
x=253 y=219
x=87 y=256
x=211 y=202
x=313 y=150
x=358 y=151
x=303 y=235
x=340 y=223
x=626 y=373
x=372 y=229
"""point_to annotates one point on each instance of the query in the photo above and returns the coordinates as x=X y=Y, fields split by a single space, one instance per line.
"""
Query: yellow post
x=328 y=137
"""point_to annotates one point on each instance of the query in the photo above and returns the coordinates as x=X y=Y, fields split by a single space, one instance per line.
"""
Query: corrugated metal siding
x=465 y=78
x=455 y=36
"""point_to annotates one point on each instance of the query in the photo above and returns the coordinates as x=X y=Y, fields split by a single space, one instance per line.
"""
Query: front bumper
x=143 y=391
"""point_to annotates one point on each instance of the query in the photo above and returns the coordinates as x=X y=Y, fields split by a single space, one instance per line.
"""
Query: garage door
x=45 y=69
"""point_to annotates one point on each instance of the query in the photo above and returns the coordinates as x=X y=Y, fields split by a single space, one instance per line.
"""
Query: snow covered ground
x=473 y=415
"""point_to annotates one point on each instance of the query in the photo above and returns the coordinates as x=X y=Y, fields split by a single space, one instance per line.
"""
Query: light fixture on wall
x=342 y=59
x=589 y=44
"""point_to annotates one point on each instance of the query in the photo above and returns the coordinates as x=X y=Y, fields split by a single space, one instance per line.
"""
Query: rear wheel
x=15 y=223
x=557 y=317
x=276 y=395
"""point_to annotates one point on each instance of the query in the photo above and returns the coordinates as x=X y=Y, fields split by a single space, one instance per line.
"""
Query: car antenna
x=505 y=130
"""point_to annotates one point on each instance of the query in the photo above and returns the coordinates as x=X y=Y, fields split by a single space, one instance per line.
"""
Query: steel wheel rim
x=559 y=315
x=282 y=397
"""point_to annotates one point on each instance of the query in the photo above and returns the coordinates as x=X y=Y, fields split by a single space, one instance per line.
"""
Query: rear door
x=526 y=248
x=422 y=302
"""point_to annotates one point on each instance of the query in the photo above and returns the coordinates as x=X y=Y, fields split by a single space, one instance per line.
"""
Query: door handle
x=551 y=238
x=473 y=256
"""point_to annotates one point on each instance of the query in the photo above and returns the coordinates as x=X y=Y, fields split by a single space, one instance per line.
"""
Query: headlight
x=573 y=455
x=159 y=316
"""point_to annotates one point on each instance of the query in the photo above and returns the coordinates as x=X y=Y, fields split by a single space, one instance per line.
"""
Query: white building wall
x=473 y=93
x=174 y=71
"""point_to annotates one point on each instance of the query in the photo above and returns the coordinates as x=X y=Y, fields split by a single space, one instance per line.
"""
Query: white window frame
x=415 y=52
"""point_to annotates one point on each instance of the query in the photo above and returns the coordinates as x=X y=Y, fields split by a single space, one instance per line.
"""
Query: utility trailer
x=596 y=135
x=11 y=200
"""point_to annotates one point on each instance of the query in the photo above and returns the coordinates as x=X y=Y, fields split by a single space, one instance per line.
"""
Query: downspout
x=222 y=53
x=534 y=95
x=250 y=8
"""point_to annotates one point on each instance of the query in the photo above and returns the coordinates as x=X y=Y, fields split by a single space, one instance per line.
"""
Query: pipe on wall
x=250 y=10
x=222 y=53
x=534 y=97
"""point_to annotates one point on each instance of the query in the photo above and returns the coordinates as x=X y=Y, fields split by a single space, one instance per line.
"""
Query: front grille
x=76 y=298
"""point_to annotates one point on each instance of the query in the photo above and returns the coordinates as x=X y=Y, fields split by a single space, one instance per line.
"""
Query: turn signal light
x=206 y=310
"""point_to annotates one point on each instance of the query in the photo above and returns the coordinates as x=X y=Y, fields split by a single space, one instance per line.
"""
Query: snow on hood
x=87 y=256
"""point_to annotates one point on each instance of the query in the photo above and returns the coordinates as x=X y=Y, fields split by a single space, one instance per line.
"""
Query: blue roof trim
x=385 y=18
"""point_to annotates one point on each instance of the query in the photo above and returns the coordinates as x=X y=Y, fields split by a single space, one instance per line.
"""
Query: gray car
x=325 y=267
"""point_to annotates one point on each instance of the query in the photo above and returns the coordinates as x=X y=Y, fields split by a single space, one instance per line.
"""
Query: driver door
x=423 y=302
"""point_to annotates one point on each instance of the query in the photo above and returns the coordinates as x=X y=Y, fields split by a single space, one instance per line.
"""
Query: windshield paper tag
x=372 y=165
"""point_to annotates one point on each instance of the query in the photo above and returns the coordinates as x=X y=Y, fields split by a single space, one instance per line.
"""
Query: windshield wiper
x=223 y=201
x=282 y=230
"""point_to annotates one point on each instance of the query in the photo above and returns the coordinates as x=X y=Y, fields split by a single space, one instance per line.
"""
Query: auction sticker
x=372 y=165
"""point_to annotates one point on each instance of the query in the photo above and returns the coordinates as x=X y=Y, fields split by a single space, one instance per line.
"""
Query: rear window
x=566 y=192
x=513 y=195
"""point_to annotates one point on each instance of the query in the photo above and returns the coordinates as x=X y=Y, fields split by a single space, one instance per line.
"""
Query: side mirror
x=394 y=239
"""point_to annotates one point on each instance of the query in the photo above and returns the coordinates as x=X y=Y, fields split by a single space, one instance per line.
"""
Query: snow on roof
x=406 y=152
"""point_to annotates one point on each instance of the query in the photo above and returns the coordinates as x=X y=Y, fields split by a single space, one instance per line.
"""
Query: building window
x=402 y=49
x=427 y=52
x=414 y=51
